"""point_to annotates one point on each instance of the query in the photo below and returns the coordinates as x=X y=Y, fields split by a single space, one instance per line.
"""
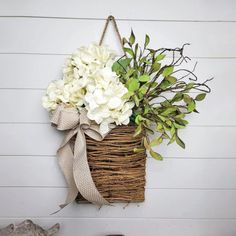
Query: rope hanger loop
x=111 y=19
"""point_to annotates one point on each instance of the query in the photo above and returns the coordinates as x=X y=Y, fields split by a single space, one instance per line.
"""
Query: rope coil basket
x=117 y=171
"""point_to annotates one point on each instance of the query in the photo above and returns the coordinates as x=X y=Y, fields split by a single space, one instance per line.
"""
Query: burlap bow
x=73 y=160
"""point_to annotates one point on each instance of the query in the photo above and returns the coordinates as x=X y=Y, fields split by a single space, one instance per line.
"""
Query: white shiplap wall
x=193 y=191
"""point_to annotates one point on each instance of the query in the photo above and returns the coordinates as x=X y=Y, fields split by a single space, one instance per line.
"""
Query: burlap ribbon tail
x=72 y=158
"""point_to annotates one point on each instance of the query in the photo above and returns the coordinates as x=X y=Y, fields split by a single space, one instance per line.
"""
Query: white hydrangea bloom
x=88 y=81
x=105 y=103
x=60 y=92
x=85 y=61
x=54 y=95
x=73 y=93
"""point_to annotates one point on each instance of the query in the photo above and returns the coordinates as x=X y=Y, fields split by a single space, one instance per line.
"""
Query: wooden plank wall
x=193 y=191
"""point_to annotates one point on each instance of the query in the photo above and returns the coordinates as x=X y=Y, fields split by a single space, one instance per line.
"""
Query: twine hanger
x=111 y=19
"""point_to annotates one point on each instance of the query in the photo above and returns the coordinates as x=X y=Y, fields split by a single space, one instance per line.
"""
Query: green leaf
x=121 y=65
x=166 y=103
x=152 y=84
x=178 y=97
x=116 y=67
x=128 y=95
x=189 y=86
x=133 y=84
x=179 y=141
x=180 y=116
x=200 y=97
x=168 y=111
x=124 y=41
x=191 y=106
x=130 y=71
x=172 y=139
x=129 y=51
x=152 y=51
x=165 y=135
x=137 y=150
x=156 y=155
x=159 y=126
x=171 y=79
x=162 y=118
x=132 y=38
x=164 y=84
x=156 y=67
x=166 y=128
x=146 y=144
x=147 y=40
x=181 y=121
x=136 y=100
x=187 y=99
x=144 y=78
x=172 y=130
x=167 y=71
x=178 y=126
x=143 y=89
x=124 y=62
x=138 y=119
x=138 y=130
x=169 y=122
x=146 y=110
x=136 y=49
x=143 y=59
x=156 y=141
x=160 y=57
x=140 y=95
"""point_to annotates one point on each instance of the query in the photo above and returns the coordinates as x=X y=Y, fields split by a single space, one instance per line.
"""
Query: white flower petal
x=114 y=103
x=104 y=128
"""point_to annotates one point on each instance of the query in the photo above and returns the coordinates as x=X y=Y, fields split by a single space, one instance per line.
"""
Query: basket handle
x=111 y=19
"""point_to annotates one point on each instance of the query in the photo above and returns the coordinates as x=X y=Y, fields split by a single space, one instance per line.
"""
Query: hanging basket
x=117 y=171
x=97 y=91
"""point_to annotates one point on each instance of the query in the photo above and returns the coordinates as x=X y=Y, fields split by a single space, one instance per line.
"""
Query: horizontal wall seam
x=67 y=54
x=116 y=218
x=165 y=157
x=147 y=188
x=118 y=19
x=48 y=123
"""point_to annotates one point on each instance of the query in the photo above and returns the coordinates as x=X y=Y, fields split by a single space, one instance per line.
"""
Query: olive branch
x=164 y=93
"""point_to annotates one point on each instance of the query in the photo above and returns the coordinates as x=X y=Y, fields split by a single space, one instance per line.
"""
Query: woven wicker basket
x=118 y=172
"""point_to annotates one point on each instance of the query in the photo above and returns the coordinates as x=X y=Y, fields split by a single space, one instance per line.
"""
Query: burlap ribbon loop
x=73 y=158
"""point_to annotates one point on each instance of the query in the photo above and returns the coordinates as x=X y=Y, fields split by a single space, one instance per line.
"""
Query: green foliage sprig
x=161 y=90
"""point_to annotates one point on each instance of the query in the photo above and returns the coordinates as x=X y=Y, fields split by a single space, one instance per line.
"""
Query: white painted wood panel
x=159 y=203
x=170 y=173
x=42 y=69
x=145 y=10
x=63 y=36
x=136 y=227
x=192 y=192
x=42 y=139
x=29 y=108
x=29 y=71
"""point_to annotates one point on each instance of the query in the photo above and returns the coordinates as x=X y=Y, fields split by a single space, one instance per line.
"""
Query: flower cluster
x=89 y=82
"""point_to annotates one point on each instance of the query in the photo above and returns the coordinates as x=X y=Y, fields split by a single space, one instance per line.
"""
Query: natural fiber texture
x=118 y=172
x=73 y=158
x=111 y=19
